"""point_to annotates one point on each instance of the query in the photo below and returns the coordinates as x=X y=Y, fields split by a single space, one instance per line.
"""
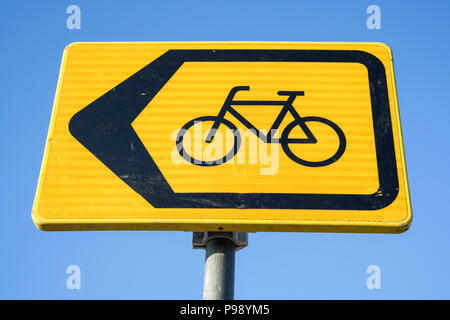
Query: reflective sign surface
x=225 y=136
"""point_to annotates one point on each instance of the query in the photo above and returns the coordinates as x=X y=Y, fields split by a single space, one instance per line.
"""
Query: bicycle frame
x=287 y=107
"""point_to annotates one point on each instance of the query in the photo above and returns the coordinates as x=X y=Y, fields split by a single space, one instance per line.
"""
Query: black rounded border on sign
x=104 y=128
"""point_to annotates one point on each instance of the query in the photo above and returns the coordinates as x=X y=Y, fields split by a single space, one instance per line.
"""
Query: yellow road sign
x=225 y=136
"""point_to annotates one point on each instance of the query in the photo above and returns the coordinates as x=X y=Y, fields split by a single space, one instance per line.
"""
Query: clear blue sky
x=162 y=265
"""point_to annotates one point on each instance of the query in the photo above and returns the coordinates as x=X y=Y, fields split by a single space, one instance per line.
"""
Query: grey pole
x=219 y=270
x=220 y=250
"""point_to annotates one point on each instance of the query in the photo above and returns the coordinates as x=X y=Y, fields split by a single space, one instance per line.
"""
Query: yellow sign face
x=225 y=136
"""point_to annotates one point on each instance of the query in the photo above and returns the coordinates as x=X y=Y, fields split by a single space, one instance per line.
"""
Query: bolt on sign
x=225 y=136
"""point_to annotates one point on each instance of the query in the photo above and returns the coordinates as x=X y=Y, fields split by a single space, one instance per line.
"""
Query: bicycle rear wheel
x=188 y=154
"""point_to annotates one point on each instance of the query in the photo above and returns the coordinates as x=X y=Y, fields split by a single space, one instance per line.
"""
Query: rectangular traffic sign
x=225 y=136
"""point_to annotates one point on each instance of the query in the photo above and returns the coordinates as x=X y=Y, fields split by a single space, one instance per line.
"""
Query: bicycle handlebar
x=291 y=93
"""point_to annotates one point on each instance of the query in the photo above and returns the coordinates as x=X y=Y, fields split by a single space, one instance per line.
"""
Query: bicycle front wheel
x=288 y=144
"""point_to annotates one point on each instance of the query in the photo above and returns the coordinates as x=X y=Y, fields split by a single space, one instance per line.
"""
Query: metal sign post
x=220 y=250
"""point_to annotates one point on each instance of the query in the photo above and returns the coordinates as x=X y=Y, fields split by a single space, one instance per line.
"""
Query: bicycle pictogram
x=285 y=141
